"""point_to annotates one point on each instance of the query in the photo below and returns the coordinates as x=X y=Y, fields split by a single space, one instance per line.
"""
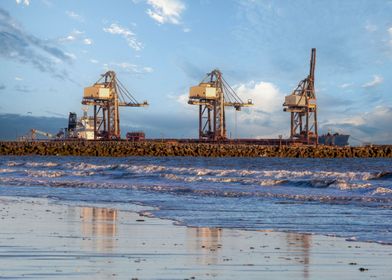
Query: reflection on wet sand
x=98 y=227
x=300 y=245
x=205 y=239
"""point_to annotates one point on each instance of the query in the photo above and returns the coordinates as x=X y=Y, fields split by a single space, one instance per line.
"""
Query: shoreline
x=41 y=238
x=162 y=149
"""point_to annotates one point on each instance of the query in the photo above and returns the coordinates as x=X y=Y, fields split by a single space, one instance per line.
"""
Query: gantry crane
x=302 y=105
x=212 y=95
x=106 y=96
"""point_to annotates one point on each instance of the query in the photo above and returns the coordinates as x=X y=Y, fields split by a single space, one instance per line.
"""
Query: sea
x=349 y=198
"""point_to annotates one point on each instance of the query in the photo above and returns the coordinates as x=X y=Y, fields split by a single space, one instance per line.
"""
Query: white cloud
x=87 y=41
x=94 y=61
x=376 y=81
x=69 y=38
x=265 y=96
x=73 y=36
x=266 y=118
x=186 y=30
x=24 y=2
x=166 y=11
x=71 y=55
x=18 y=78
x=346 y=85
x=129 y=67
x=182 y=100
x=371 y=27
x=127 y=34
x=390 y=31
x=74 y=16
x=390 y=35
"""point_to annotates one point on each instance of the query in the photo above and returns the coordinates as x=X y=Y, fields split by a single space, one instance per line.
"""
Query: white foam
x=7 y=170
x=41 y=173
x=41 y=164
x=381 y=190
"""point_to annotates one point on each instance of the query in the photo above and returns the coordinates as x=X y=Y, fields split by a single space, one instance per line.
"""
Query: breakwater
x=124 y=148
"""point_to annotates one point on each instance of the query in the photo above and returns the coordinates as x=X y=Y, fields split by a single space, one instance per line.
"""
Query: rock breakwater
x=124 y=148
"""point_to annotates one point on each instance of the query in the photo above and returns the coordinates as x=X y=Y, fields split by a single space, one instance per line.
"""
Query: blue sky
x=51 y=49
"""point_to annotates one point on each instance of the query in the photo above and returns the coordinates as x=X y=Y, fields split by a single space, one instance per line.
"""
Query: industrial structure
x=106 y=96
x=302 y=105
x=212 y=95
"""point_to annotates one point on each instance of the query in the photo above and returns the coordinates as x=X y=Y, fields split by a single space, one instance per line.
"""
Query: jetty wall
x=124 y=148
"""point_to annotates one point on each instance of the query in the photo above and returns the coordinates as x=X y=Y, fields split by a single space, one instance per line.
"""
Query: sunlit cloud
x=73 y=36
x=24 y=2
x=376 y=81
x=88 y=41
x=346 y=85
x=166 y=11
x=74 y=16
x=127 y=34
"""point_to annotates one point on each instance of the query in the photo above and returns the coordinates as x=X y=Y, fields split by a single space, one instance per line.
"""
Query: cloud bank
x=19 y=45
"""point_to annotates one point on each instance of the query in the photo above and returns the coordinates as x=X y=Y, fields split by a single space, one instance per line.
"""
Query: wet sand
x=40 y=239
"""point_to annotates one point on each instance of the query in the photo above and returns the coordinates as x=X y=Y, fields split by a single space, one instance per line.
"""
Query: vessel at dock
x=335 y=139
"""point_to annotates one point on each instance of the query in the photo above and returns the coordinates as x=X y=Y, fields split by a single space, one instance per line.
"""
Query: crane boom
x=36 y=131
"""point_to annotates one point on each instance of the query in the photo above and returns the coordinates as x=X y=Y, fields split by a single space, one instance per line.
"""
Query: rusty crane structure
x=302 y=105
x=106 y=96
x=212 y=95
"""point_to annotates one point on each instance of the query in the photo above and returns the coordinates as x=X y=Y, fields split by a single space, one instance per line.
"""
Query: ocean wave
x=7 y=170
x=82 y=166
x=42 y=173
x=381 y=190
x=32 y=164
x=14 y=163
x=383 y=175
x=216 y=192
x=88 y=169
x=346 y=185
x=41 y=164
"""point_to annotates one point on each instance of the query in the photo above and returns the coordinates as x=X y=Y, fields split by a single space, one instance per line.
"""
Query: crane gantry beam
x=212 y=95
x=106 y=96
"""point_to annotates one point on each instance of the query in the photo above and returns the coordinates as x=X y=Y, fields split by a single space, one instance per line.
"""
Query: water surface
x=351 y=198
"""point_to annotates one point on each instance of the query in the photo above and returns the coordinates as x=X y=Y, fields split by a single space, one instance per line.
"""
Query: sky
x=51 y=49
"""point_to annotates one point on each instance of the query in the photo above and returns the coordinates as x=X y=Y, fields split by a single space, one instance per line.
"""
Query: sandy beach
x=40 y=239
